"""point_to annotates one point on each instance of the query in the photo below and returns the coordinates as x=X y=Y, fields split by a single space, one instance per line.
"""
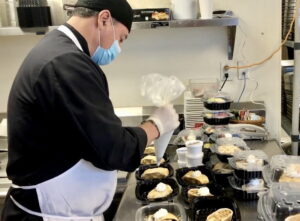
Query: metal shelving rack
x=229 y=22
x=288 y=10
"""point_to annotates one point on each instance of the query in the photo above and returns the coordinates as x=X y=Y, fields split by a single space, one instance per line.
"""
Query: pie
x=223 y=168
x=223 y=214
x=291 y=174
x=293 y=218
x=150 y=159
x=287 y=179
x=155 y=173
x=198 y=192
x=195 y=177
x=149 y=150
x=228 y=149
x=162 y=215
x=217 y=100
x=251 y=162
x=160 y=191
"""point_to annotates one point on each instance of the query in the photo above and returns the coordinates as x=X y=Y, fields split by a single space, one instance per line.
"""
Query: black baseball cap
x=119 y=9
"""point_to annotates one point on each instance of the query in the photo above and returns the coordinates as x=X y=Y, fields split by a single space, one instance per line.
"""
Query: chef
x=65 y=142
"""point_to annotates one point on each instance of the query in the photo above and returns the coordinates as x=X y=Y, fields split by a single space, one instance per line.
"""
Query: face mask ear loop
x=113 y=28
x=99 y=38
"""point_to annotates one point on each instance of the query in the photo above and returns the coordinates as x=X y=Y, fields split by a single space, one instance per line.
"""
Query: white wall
x=187 y=53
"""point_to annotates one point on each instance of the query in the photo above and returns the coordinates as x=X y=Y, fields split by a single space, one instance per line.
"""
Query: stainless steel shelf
x=185 y=23
x=229 y=22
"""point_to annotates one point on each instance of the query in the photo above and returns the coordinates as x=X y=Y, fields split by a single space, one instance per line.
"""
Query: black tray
x=217 y=106
x=141 y=169
x=221 y=178
x=217 y=121
x=239 y=181
x=166 y=157
x=244 y=174
x=201 y=208
x=182 y=171
x=243 y=195
x=144 y=187
x=215 y=190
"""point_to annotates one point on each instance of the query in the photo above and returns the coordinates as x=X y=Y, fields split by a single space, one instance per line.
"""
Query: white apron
x=83 y=192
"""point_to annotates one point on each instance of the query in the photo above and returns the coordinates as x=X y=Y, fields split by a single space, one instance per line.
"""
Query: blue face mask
x=104 y=56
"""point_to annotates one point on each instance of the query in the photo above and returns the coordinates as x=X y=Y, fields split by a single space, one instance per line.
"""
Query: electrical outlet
x=231 y=72
x=242 y=74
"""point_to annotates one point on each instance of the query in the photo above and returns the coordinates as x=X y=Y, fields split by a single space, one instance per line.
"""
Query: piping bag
x=161 y=90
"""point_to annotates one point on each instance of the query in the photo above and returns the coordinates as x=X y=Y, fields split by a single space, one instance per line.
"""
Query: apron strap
x=91 y=218
x=64 y=29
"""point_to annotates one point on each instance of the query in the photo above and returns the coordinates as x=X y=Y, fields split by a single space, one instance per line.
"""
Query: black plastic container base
x=241 y=194
x=244 y=174
x=202 y=208
x=223 y=157
x=182 y=171
x=217 y=121
x=217 y=106
x=141 y=169
x=144 y=187
x=222 y=178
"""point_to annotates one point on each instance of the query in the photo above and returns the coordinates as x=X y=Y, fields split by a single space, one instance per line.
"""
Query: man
x=65 y=142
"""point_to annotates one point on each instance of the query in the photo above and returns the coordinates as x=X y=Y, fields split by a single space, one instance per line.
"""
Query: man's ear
x=104 y=19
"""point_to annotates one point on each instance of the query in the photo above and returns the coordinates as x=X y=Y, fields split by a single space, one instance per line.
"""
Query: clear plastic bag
x=161 y=90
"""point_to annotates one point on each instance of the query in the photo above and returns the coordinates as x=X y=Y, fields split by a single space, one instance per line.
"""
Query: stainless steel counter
x=129 y=204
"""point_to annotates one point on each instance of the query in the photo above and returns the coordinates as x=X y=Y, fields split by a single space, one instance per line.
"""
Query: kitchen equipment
x=34 y=13
x=185 y=9
x=206 y=9
x=249 y=131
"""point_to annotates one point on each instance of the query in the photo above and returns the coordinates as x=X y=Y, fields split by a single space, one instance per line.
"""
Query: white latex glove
x=165 y=118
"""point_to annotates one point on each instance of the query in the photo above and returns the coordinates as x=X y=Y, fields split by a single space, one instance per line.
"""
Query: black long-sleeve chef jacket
x=59 y=112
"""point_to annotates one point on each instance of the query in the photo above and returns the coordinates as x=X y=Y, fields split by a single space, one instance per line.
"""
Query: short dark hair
x=82 y=12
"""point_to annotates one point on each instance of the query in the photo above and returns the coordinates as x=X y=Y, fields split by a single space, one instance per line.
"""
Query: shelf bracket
x=231 y=32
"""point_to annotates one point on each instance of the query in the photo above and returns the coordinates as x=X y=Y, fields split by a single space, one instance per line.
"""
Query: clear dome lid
x=281 y=201
x=249 y=160
x=283 y=169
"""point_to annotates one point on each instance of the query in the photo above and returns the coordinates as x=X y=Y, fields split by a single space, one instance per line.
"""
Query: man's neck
x=87 y=28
